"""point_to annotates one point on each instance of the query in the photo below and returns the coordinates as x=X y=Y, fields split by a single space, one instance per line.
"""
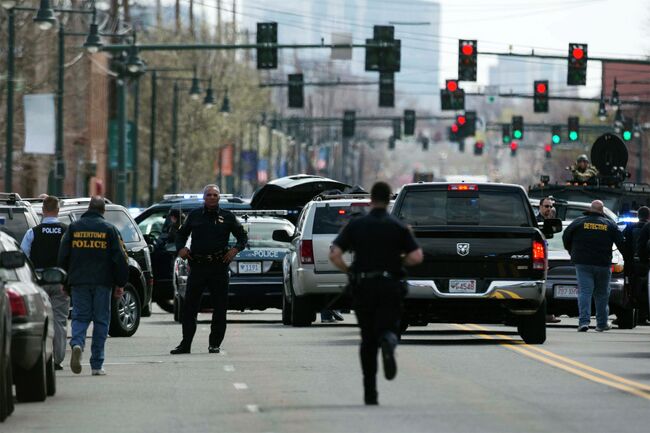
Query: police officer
x=382 y=246
x=583 y=171
x=589 y=240
x=209 y=257
x=93 y=254
x=546 y=209
x=41 y=245
x=639 y=239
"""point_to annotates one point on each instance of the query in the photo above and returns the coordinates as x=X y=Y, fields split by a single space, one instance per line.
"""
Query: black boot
x=370 y=391
x=388 y=344
x=180 y=349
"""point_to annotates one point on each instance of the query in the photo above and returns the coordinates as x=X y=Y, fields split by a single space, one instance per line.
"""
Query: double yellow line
x=563 y=363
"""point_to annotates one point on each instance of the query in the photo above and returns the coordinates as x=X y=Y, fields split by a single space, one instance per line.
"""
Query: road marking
x=229 y=368
x=253 y=408
x=240 y=386
x=632 y=387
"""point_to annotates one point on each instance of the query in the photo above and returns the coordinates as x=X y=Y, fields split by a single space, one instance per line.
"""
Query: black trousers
x=639 y=283
x=378 y=306
x=215 y=278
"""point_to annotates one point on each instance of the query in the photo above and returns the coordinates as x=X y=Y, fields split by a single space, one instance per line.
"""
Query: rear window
x=328 y=220
x=123 y=223
x=14 y=222
x=485 y=208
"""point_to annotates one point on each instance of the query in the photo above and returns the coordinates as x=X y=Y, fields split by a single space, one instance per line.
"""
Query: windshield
x=485 y=208
x=123 y=223
x=260 y=234
x=153 y=224
x=14 y=222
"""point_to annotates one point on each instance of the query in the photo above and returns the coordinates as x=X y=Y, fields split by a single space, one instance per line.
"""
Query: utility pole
x=136 y=118
x=175 y=150
x=152 y=137
x=121 y=148
x=9 y=143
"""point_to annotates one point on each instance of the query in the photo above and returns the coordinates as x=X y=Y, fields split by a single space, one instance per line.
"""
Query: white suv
x=311 y=282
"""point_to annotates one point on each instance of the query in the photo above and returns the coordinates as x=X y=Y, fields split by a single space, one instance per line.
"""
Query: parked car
x=151 y=222
x=562 y=285
x=570 y=210
x=6 y=377
x=311 y=282
x=32 y=333
x=136 y=300
x=256 y=279
x=16 y=215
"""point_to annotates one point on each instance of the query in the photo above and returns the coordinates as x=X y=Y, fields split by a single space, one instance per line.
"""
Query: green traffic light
x=573 y=135
x=556 y=139
x=517 y=133
x=627 y=135
x=506 y=139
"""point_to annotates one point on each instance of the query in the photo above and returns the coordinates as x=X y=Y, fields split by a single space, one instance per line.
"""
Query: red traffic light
x=461 y=120
x=454 y=128
x=467 y=50
x=578 y=53
x=480 y=145
x=514 y=146
x=548 y=148
x=452 y=85
x=541 y=88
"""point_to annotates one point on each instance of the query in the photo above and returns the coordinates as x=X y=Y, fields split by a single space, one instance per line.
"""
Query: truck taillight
x=17 y=303
x=306 y=252
x=539 y=255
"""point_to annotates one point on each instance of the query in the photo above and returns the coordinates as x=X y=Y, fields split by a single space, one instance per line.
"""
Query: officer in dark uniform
x=209 y=257
x=382 y=246
x=41 y=245
x=636 y=238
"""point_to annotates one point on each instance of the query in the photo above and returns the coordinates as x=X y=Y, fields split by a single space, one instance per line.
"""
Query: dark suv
x=16 y=215
x=151 y=222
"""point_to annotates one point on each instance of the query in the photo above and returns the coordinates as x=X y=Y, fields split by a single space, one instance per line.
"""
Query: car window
x=65 y=219
x=124 y=224
x=153 y=224
x=329 y=220
x=485 y=208
x=260 y=234
x=8 y=275
x=13 y=221
x=26 y=273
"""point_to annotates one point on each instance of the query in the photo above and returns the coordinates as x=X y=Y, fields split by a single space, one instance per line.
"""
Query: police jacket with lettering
x=92 y=252
x=45 y=246
x=210 y=230
x=589 y=240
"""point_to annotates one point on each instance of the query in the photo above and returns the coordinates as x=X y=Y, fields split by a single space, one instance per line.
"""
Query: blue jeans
x=91 y=303
x=593 y=281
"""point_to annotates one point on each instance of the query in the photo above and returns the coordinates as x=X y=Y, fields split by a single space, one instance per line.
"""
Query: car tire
x=627 y=318
x=125 y=313
x=167 y=305
x=286 y=309
x=301 y=312
x=178 y=309
x=31 y=385
x=51 y=377
x=5 y=383
x=146 y=310
x=532 y=328
x=10 y=388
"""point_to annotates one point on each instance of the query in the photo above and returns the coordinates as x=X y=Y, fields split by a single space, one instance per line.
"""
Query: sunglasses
x=548 y=206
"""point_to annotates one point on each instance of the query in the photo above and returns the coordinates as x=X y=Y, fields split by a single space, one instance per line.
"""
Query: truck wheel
x=125 y=313
x=626 y=318
x=166 y=304
x=51 y=377
x=532 y=328
x=31 y=385
x=301 y=313
x=286 y=309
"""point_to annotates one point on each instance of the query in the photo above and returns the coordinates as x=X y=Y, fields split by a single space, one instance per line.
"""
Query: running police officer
x=209 y=257
x=41 y=245
x=382 y=245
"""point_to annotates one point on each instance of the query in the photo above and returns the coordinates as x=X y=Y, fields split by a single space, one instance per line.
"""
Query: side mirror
x=551 y=226
x=52 y=276
x=282 y=236
x=12 y=259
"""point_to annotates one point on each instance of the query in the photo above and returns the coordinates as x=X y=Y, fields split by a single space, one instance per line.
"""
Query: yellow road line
x=635 y=388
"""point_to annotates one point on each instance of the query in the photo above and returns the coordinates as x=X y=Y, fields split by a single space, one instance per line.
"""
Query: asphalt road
x=271 y=378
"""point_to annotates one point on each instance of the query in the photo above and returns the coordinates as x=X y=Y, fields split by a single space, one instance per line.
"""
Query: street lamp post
x=9 y=154
x=152 y=136
x=121 y=147
x=59 y=165
x=175 y=152
x=136 y=118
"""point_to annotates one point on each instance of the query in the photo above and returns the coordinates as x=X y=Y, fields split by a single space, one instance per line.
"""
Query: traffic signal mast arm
x=194 y=47
x=559 y=98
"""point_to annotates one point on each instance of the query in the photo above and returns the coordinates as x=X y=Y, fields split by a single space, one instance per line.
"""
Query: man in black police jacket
x=41 y=245
x=209 y=257
x=382 y=246
x=638 y=270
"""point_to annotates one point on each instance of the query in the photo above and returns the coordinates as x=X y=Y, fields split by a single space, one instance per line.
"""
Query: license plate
x=462 y=286
x=567 y=292
x=249 y=267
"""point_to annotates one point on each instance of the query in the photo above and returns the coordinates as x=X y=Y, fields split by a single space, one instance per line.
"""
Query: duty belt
x=208 y=258
x=378 y=274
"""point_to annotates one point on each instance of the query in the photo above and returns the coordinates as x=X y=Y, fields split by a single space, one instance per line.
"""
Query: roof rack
x=322 y=197
x=9 y=197
x=194 y=195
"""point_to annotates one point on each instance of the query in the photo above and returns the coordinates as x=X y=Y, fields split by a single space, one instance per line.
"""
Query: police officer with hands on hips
x=382 y=246
x=209 y=258
x=41 y=245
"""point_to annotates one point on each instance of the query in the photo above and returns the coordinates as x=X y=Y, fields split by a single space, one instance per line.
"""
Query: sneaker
x=214 y=349
x=99 y=372
x=388 y=356
x=607 y=327
x=75 y=360
x=583 y=328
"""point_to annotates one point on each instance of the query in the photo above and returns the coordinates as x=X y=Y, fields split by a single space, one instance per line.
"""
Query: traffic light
x=478 y=148
x=547 y=150
x=348 y=123
x=628 y=129
x=513 y=148
x=409 y=122
x=267 y=33
x=518 y=127
x=453 y=132
x=386 y=89
x=577 y=74
x=540 y=100
x=296 y=91
x=467 y=60
x=452 y=97
x=397 y=128
x=506 y=138
x=470 y=125
x=574 y=128
x=384 y=58
x=556 y=137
